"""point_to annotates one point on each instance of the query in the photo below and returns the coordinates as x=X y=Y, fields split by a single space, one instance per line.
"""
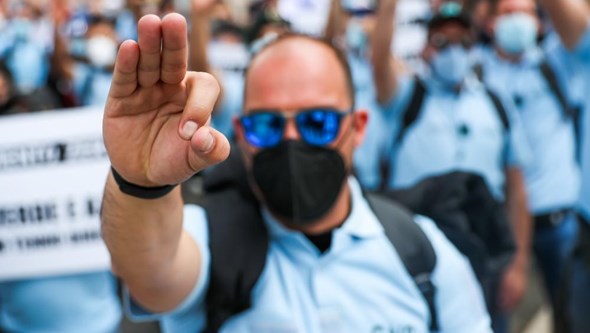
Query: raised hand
x=156 y=122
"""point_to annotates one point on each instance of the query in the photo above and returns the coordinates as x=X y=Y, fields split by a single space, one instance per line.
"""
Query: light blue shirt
x=64 y=304
x=367 y=168
x=582 y=69
x=359 y=285
x=553 y=177
x=584 y=202
x=26 y=57
x=91 y=85
x=231 y=102
x=454 y=131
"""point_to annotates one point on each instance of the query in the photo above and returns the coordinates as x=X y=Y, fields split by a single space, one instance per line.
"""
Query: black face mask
x=299 y=182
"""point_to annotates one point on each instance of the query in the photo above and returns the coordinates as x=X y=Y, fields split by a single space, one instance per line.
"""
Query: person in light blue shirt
x=572 y=316
x=316 y=295
x=517 y=67
x=63 y=304
x=458 y=125
x=352 y=281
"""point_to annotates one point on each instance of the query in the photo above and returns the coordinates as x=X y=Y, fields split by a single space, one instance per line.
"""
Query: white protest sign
x=53 y=167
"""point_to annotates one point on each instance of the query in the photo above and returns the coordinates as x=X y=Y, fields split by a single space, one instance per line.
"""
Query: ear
x=361 y=118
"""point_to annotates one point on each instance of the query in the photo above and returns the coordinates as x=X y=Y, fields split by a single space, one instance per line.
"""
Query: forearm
x=570 y=19
x=200 y=34
x=149 y=250
x=383 y=70
x=518 y=215
x=335 y=25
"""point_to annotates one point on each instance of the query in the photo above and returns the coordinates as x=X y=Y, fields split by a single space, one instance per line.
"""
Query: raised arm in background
x=200 y=34
x=513 y=284
x=570 y=19
x=156 y=131
x=61 y=61
x=336 y=25
x=384 y=72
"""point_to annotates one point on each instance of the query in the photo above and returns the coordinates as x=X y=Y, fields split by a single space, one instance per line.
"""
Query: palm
x=151 y=96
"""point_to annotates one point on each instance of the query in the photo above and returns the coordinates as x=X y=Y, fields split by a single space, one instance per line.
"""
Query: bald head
x=297 y=72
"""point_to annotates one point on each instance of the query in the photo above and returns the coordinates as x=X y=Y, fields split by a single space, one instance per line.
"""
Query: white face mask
x=228 y=56
x=101 y=51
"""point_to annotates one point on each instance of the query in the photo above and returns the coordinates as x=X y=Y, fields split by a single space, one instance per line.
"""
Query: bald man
x=329 y=266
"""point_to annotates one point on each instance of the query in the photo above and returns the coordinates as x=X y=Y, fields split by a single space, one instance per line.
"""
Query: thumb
x=207 y=148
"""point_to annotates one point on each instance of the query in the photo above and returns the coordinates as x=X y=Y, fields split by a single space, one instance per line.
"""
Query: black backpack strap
x=551 y=79
x=410 y=116
x=413 y=247
x=413 y=110
x=500 y=109
x=238 y=240
x=569 y=110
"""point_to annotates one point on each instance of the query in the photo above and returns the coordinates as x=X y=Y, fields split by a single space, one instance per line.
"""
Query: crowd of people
x=494 y=88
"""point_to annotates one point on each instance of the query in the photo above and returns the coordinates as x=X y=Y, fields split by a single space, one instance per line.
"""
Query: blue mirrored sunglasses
x=317 y=126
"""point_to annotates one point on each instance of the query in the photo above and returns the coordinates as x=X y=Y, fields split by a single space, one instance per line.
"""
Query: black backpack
x=238 y=241
x=412 y=113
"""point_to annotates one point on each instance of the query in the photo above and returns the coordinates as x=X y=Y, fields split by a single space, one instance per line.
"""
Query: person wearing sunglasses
x=328 y=265
x=444 y=119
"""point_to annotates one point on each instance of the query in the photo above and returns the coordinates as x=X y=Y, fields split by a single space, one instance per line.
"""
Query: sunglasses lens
x=263 y=130
x=319 y=127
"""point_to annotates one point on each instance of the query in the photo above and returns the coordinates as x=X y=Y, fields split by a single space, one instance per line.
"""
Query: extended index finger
x=124 y=80
x=174 y=49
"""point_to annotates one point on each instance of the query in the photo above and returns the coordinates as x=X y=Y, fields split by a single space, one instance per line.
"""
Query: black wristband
x=138 y=191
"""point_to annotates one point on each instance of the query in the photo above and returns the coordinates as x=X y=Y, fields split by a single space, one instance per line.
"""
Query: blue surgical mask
x=451 y=65
x=356 y=38
x=515 y=33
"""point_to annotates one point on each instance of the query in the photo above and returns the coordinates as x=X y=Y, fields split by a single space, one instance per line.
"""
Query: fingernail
x=209 y=143
x=189 y=129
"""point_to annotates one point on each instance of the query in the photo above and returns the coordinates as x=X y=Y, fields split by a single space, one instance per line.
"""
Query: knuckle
x=208 y=81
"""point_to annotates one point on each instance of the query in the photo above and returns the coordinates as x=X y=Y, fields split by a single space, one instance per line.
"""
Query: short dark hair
x=338 y=52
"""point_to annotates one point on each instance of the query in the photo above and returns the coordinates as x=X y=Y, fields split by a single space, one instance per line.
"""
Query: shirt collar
x=360 y=223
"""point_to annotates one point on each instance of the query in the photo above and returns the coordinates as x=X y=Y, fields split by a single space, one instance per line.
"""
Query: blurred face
x=447 y=52
x=515 y=26
x=512 y=6
x=446 y=36
x=102 y=45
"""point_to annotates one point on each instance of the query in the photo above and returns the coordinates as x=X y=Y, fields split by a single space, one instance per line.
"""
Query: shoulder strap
x=413 y=247
x=238 y=240
x=499 y=109
x=413 y=110
x=569 y=111
x=410 y=115
x=551 y=79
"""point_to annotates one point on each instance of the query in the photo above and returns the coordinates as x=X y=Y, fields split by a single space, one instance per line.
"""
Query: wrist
x=139 y=191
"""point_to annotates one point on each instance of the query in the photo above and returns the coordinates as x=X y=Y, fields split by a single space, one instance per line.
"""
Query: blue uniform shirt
x=367 y=168
x=454 y=131
x=552 y=177
x=584 y=202
x=64 y=304
x=584 y=198
x=91 y=85
x=230 y=105
x=359 y=285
